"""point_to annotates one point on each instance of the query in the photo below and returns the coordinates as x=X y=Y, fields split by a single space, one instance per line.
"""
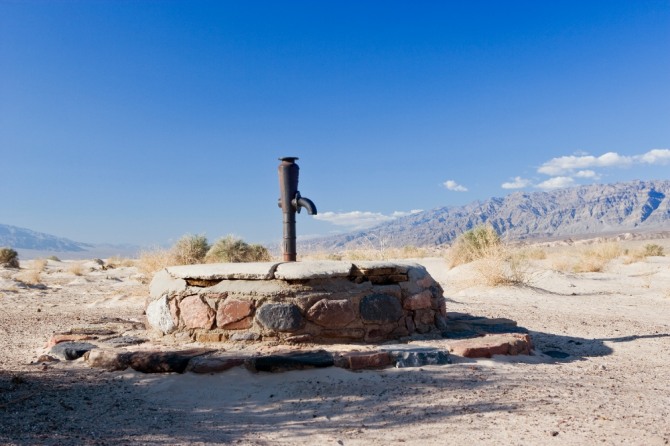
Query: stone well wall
x=296 y=302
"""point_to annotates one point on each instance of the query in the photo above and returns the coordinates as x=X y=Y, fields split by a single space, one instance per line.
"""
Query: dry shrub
x=76 y=268
x=595 y=260
x=39 y=265
x=190 y=249
x=499 y=266
x=118 y=261
x=193 y=249
x=154 y=260
x=29 y=277
x=234 y=250
x=9 y=257
x=495 y=261
x=534 y=254
x=653 y=250
x=474 y=244
x=589 y=264
x=649 y=250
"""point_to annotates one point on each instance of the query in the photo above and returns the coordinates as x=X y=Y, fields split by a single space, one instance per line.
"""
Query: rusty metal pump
x=290 y=201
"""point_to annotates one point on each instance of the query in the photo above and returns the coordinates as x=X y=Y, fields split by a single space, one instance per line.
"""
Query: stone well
x=322 y=302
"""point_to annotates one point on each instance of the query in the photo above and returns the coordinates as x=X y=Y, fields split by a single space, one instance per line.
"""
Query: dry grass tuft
x=406 y=252
x=39 y=264
x=495 y=262
x=76 y=268
x=29 y=277
x=474 y=244
x=154 y=260
x=595 y=260
x=118 y=262
x=534 y=254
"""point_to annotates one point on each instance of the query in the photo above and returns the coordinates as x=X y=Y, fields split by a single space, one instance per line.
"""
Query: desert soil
x=613 y=388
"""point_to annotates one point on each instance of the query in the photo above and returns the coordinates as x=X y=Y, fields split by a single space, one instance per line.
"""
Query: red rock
x=245 y=323
x=375 y=360
x=58 y=338
x=195 y=313
x=426 y=282
x=418 y=301
x=232 y=311
x=489 y=345
x=332 y=313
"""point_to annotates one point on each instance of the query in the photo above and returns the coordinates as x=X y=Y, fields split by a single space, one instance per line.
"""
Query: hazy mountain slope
x=21 y=238
x=584 y=210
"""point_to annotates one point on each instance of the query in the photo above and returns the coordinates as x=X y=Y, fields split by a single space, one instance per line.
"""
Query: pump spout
x=302 y=202
x=291 y=202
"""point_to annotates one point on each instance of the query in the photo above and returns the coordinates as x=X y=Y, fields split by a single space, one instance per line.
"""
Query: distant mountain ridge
x=22 y=238
x=579 y=211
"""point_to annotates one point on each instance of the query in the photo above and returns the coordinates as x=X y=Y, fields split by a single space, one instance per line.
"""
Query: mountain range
x=592 y=210
x=589 y=210
x=22 y=238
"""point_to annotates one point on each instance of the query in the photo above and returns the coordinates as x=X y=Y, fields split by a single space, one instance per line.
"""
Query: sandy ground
x=614 y=388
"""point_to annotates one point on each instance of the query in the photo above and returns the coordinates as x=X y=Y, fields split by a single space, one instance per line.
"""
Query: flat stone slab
x=291 y=361
x=313 y=270
x=384 y=266
x=495 y=344
x=225 y=271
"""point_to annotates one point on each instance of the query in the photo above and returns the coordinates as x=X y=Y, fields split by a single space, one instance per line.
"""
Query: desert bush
x=234 y=250
x=499 y=265
x=118 y=261
x=54 y=258
x=495 y=262
x=595 y=259
x=190 y=249
x=154 y=260
x=39 y=264
x=535 y=254
x=474 y=244
x=9 y=257
x=76 y=268
x=29 y=277
x=652 y=249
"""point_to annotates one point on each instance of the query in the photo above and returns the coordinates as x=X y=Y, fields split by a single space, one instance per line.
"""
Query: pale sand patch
x=612 y=389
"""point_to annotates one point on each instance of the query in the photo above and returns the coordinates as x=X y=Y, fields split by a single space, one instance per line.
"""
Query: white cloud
x=518 y=183
x=587 y=174
x=568 y=164
x=655 y=156
x=361 y=219
x=454 y=186
x=556 y=183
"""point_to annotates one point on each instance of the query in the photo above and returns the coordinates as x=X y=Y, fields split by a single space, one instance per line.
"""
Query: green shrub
x=234 y=250
x=189 y=250
x=9 y=257
x=652 y=249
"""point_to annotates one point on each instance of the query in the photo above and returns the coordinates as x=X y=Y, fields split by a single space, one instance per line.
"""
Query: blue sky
x=140 y=121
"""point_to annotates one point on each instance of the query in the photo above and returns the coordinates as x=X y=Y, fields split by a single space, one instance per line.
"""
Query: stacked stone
x=296 y=302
